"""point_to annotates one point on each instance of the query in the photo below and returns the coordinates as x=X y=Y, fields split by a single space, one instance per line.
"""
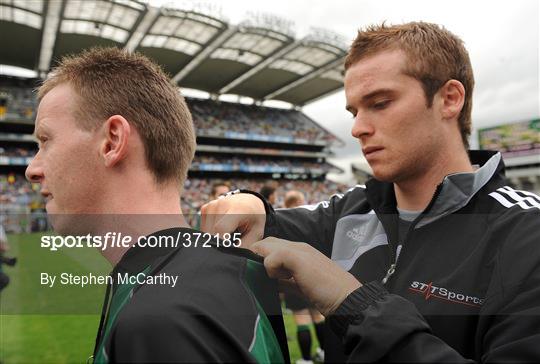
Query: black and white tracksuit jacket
x=460 y=284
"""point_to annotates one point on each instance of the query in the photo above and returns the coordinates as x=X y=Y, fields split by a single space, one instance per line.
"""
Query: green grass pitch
x=39 y=325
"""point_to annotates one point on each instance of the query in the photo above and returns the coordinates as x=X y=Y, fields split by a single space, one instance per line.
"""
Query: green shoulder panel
x=270 y=341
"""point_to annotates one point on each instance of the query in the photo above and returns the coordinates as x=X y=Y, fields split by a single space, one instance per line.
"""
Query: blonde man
x=115 y=142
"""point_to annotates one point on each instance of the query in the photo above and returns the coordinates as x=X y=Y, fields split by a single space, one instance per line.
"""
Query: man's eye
x=381 y=104
x=42 y=141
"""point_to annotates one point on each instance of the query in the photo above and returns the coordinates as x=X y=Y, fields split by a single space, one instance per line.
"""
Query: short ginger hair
x=434 y=56
x=111 y=81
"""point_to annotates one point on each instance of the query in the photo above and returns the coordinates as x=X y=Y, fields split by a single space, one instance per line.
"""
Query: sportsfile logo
x=431 y=291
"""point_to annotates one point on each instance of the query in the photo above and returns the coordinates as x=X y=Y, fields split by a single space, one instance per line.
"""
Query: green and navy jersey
x=224 y=308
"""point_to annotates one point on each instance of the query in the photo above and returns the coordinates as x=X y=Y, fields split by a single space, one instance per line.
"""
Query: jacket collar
x=454 y=192
x=138 y=258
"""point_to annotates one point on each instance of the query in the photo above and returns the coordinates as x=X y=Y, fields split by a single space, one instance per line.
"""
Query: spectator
x=269 y=193
x=219 y=189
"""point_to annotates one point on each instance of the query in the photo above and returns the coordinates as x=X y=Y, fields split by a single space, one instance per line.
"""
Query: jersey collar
x=138 y=258
x=454 y=192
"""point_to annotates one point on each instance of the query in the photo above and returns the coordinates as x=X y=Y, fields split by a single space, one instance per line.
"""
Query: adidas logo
x=508 y=197
x=356 y=234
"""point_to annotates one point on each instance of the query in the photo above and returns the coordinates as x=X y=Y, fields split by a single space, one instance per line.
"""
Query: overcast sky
x=501 y=36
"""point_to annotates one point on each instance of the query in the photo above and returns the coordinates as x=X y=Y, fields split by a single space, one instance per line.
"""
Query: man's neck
x=416 y=193
x=136 y=226
x=140 y=209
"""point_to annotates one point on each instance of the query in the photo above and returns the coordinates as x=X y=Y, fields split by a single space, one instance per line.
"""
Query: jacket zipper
x=395 y=256
x=392 y=268
x=103 y=322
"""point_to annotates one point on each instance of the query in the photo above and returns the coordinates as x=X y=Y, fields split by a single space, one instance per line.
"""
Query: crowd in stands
x=211 y=118
x=198 y=191
x=236 y=163
x=15 y=189
x=216 y=118
x=19 y=196
x=16 y=152
x=17 y=103
x=21 y=204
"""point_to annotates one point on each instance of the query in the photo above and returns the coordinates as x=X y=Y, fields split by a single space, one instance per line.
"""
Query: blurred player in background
x=4 y=247
x=268 y=191
x=219 y=189
x=304 y=313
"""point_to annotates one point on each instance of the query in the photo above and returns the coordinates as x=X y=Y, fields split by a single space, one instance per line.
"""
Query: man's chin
x=383 y=175
x=73 y=224
x=59 y=222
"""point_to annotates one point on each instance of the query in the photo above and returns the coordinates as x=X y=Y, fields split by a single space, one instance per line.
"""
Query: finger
x=274 y=265
x=208 y=217
x=260 y=248
x=281 y=256
x=272 y=244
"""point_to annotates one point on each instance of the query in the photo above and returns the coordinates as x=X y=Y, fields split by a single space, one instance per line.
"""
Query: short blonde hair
x=294 y=199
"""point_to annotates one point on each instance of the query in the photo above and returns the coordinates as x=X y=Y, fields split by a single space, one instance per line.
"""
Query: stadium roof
x=259 y=58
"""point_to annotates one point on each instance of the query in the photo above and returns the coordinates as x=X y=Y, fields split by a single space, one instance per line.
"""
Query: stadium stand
x=259 y=58
x=246 y=145
x=17 y=103
x=16 y=152
x=19 y=197
x=228 y=120
x=197 y=191
x=212 y=163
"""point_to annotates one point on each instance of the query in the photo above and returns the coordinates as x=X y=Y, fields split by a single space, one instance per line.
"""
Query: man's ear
x=452 y=95
x=115 y=144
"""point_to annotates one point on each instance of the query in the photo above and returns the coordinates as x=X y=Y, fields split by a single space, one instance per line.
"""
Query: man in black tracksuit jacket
x=436 y=259
x=462 y=279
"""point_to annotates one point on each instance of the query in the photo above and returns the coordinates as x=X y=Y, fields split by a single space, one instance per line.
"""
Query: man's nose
x=361 y=127
x=34 y=171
